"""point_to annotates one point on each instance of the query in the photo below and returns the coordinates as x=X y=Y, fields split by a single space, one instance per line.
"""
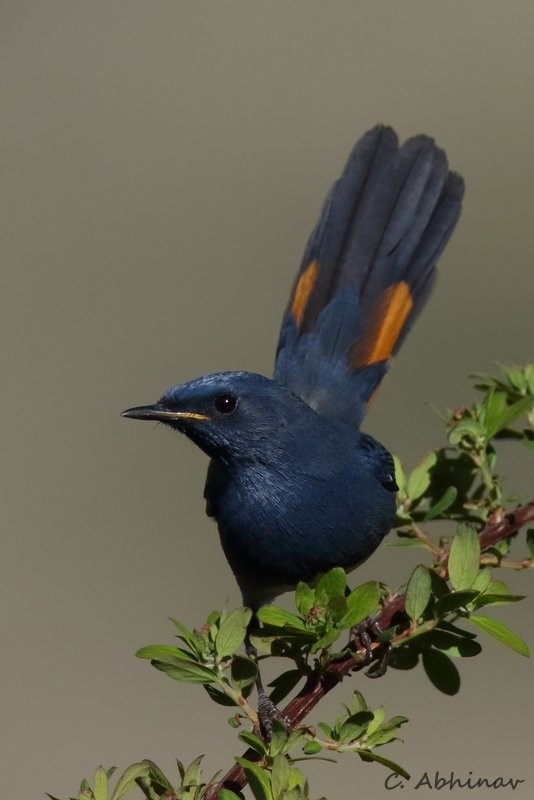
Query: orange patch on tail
x=303 y=290
x=384 y=327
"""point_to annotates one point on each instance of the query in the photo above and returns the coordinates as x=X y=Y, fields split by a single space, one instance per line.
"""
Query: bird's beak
x=159 y=413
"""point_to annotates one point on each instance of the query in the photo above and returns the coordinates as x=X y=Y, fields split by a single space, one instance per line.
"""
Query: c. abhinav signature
x=437 y=780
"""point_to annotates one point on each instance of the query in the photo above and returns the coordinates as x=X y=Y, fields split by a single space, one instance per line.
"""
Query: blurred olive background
x=163 y=165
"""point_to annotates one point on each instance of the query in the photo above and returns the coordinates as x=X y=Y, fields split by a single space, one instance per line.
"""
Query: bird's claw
x=379 y=667
x=363 y=635
x=267 y=713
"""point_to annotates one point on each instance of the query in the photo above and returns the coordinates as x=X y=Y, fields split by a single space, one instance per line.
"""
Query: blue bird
x=294 y=484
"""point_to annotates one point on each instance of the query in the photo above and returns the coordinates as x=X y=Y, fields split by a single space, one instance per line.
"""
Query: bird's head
x=232 y=416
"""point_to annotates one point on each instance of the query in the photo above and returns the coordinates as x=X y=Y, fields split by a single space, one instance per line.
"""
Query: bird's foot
x=267 y=713
x=364 y=636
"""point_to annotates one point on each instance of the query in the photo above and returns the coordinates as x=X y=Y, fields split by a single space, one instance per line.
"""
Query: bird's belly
x=275 y=533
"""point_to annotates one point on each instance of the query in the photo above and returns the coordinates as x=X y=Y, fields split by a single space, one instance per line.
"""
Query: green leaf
x=332 y=584
x=405 y=657
x=454 y=600
x=419 y=479
x=467 y=428
x=497 y=587
x=284 y=683
x=257 y=778
x=446 y=500
x=355 y=726
x=528 y=377
x=368 y=755
x=296 y=780
x=440 y=587
x=517 y=376
x=192 y=774
x=214 y=618
x=361 y=602
x=280 y=618
x=226 y=794
x=127 y=780
x=386 y=733
x=326 y=729
x=496 y=599
x=155 y=784
x=394 y=723
x=280 y=776
x=278 y=741
x=292 y=740
x=453 y=628
x=85 y=786
x=452 y=644
x=400 y=476
x=482 y=580
x=232 y=631
x=304 y=598
x=464 y=557
x=501 y=548
x=500 y=414
x=418 y=593
x=358 y=702
x=184 y=633
x=327 y=640
x=219 y=696
x=441 y=671
x=337 y=608
x=244 y=670
x=493 y=404
x=186 y=671
x=253 y=741
x=530 y=541
x=181 y=768
x=402 y=515
x=100 y=781
x=163 y=652
x=501 y=632
x=408 y=543
x=376 y=722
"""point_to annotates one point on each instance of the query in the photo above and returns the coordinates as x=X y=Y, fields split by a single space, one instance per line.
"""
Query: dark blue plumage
x=295 y=486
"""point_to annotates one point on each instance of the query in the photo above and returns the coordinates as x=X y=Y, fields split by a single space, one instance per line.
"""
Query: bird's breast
x=281 y=525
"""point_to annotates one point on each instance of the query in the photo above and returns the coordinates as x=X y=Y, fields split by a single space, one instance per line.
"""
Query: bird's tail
x=367 y=271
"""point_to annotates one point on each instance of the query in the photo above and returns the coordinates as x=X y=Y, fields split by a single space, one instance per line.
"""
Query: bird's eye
x=226 y=403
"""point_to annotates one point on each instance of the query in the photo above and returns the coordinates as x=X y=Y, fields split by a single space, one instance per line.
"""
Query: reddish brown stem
x=316 y=687
x=508 y=526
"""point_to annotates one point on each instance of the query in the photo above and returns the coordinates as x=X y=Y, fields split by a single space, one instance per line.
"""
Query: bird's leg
x=363 y=635
x=267 y=711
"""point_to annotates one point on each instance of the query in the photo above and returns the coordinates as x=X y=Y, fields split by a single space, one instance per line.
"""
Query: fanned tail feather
x=367 y=271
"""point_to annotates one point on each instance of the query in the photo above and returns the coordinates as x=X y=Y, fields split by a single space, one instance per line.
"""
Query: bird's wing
x=367 y=271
